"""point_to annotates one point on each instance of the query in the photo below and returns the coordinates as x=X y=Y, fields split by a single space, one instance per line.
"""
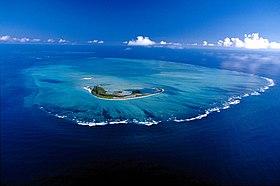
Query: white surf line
x=117 y=99
x=270 y=81
x=231 y=101
x=88 y=89
x=135 y=121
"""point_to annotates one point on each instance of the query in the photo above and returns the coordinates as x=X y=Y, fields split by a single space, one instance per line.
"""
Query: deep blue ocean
x=236 y=145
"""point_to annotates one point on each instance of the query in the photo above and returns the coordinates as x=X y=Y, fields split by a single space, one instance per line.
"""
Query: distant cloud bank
x=250 y=41
x=8 y=38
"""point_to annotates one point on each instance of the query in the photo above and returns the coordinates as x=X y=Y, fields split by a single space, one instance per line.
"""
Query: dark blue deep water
x=237 y=146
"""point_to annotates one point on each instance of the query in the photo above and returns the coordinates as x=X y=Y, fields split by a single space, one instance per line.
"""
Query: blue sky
x=183 y=21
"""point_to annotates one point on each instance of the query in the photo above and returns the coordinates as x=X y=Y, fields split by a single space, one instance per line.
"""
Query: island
x=99 y=92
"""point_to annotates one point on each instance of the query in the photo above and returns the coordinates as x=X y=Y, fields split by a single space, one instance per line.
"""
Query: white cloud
x=36 y=40
x=146 y=41
x=250 y=41
x=172 y=45
x=253 y=41
x=227 y=42
x=22 y=40
x=26 y=40
x=194 y=44
x=96 y=41
x=5 y=38
x=50 y=40
x=238 y=43
x=175 y=46
x=204 y=43
x=141 y=41
x=93 y=41
x=9 y=39
x=15 y=39
x=62 y=41
x=220 y=43
x=274 y=45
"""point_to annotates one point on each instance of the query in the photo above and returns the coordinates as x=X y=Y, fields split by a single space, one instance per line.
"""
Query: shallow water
x=191 y=92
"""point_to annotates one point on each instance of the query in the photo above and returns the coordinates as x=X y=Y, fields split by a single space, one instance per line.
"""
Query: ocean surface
x=216 y=123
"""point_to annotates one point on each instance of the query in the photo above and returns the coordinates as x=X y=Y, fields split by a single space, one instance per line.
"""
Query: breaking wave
x=231 y=101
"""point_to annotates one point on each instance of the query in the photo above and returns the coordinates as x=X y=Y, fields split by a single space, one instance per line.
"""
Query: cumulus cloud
x=141 y=41
x=146 y=41
x=5 y=38
x=275 y=45
x=62 y=41
x=205 y=43
x=238 y=43
x=220 y=43
x=96 y=41
x=253 y=41
x=227 y=42
x=50 y=40
x=24 y=39
x=250 y=41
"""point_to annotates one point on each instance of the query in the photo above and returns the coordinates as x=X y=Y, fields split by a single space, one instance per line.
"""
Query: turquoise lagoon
x=191 y=92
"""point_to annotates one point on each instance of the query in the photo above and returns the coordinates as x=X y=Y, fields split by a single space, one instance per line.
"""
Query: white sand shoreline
x=124 y=99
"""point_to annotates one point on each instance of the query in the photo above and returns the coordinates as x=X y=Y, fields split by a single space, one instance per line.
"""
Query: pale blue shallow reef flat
x=191 y=92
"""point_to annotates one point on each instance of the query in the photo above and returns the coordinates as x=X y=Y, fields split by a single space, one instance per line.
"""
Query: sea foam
x=231 y=101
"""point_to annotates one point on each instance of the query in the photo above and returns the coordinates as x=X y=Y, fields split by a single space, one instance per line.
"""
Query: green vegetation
x=100 y=92
x=136 y=91
x=118 y=92
x=141 y=95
